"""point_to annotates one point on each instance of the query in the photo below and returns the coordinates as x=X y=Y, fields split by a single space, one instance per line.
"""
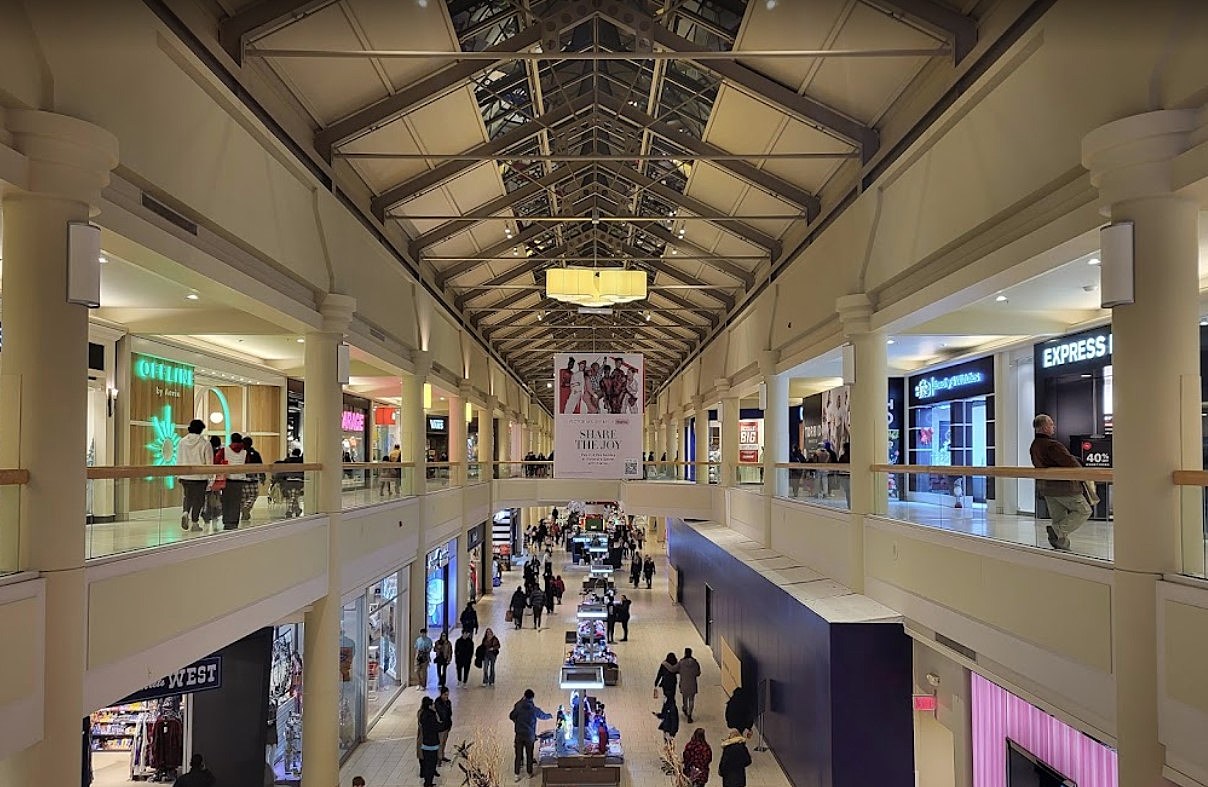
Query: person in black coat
x=734 y=760
x=635 y=569
x=648 y=570
x=518 y=603
x=469 y=619
x=429 y=741
x=610 y=622
x=666 y=679
x=670 y=718
x=622 y=612
x=463 y=655
x=740 y=710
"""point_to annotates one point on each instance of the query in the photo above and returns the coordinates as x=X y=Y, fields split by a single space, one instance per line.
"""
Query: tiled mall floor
x=530 y=659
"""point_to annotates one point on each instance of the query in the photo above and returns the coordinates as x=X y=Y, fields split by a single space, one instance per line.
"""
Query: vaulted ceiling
x=598 y=133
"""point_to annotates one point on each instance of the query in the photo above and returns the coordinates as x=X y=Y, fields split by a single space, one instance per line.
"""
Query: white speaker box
x=84 y=264
x=1116 y=264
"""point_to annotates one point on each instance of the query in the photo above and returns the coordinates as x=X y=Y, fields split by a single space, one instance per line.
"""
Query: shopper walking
x=1068 y=507
x=213 y=508
x=537 y=601
x=442 y=654
x=667 y=677
x=524 y=716
x=463 y=655
x=740 y=711
x=444 y=712
x=516 y=607
x=232 y=492
x=549 y=593
x=648 y=570
x=490 y=653
x=689 y=672
x=635 y=569
x=698 y=755
x=732 y=768
x=669 y=719
x=198 y=776
x=194 y=450
x=559 y=589
x=469 y=619
x=251 y=483
x=423 y=657
x=429 y=741
x=622 y=613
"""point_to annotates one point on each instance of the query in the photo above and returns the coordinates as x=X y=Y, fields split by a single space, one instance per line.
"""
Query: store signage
x=598 y=416
x=385 y=416
x=925 y=703
x=436 y=424
x=1095 y=451
x=352 y=421
x=148 y=367
x=474 y=536
x=750 y=440
x=1076 y=349
x=202 y=675
x=931 y=387
x=965 y=381
x=438 y=558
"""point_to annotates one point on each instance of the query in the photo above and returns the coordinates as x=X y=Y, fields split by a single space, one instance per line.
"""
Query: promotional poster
x=598 y=418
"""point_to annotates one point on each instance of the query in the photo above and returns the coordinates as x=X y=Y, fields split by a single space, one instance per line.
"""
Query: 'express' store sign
x=1076 y=349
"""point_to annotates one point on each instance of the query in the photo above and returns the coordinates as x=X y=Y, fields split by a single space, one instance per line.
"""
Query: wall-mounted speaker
x=849 y=364
x=84 y=264
x=1116 y=264
x=343 y=363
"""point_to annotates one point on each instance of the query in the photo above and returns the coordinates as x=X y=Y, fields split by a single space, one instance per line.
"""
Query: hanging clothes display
x=167 y=743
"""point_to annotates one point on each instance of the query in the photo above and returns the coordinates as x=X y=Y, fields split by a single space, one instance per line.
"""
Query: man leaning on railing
x=1068 y=507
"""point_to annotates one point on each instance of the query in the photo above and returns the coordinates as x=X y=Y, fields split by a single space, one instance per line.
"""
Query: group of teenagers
x=683 y=673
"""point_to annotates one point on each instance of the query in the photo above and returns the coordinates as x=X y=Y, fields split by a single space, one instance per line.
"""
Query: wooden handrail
x=1191 y=477
x=1104 y=475
x=840 y=467
x=13 y=477
x=162 y=471
x=375 y=465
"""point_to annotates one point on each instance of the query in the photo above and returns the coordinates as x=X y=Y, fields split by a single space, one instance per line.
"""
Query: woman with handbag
x=490 y=652
x=442 y=654
x=697 y=758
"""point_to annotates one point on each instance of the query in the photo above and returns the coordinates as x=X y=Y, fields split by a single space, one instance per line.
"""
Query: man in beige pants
x=1067 y=502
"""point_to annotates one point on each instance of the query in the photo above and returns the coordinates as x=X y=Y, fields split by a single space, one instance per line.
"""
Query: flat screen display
x=1025 y=770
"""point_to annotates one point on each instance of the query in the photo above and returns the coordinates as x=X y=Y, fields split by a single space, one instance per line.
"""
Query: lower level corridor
x=531 y=659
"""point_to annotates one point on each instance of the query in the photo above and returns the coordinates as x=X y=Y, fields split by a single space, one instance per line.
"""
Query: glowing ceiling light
x=595 y=288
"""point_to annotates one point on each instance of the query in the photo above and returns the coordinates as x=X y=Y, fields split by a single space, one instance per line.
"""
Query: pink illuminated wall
x=999 y=714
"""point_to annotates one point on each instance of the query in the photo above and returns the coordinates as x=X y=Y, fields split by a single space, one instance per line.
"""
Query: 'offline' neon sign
x=159 y=370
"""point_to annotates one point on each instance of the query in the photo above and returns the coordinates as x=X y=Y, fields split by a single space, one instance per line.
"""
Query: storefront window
x=952 y=423
x=352 y=676
x=385 y=671
x=441 y=599
x=285 y=704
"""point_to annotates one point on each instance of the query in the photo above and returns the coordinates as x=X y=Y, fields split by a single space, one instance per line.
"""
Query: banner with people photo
x=598 y=415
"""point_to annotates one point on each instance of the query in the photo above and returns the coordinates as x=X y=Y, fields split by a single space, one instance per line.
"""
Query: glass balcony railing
x=1066 y=509
x=1193 y=494
x=820 y=484
x=365 y=484
x=133 y=508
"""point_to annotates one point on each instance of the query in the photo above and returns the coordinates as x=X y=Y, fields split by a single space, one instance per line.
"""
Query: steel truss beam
x=623 y=158
x=960 y=30
x=260 y=19
x=521 y=195
x=412 y=96
x=773 y=184
x=434 y=177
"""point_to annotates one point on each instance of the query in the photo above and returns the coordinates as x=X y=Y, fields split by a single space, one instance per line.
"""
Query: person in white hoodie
x=194 y=450
x=232 y=492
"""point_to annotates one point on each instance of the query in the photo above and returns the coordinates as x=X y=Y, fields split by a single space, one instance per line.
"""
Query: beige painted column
x=486 y=438
x=700 y=436
x=1155 y=357
x=775 y=426
x=673 y=453
x=44 y=412
x=729 y=432
x=416 y=437
x=457 y=437
x=322 y=443
x=869 y=431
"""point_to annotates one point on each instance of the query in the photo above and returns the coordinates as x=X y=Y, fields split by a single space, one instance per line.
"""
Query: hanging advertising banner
x=598 y=419
x=750 y=440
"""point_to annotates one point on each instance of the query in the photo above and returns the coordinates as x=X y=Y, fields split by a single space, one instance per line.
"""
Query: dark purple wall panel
x=840 y=706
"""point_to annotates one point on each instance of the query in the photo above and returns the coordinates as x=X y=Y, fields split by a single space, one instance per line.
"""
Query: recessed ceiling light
x=301 y=340
x=103 y=259
x=889 y=341
x=1001 y=299
x=1093 y=261
x=192 y=296
x=1204 y=322
x=771 y=4
x=549 y=385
